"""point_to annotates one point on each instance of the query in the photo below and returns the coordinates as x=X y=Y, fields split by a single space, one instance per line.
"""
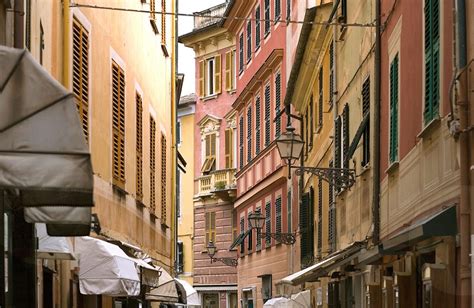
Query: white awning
x=277 y=302
x=192 y=297
x=50 y=247
x=105 y=269
x=166 y=290
x=150 y=275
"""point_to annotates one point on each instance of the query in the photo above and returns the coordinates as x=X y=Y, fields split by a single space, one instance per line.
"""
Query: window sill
x=209 y=97
x=119 y=189
x=393 y=167
x=154 y=26
x=429 y=128
x=233 y=91
x=318 y=129
x=364 y=169
x=165 y=50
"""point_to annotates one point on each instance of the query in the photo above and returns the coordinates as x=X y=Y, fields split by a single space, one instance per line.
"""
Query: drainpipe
x=174 y=148
x=466 y=220
x=376 y=131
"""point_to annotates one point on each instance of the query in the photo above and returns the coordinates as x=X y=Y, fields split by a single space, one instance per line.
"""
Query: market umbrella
x=45 y=163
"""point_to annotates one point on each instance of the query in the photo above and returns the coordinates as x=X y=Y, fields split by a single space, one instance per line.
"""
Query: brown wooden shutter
x=139 y=147
x=217 y=74
x=213 y=227
x=229 y=148
x=228 y=70
x=163 y=22
x=163 y=180
x=118 y=125
x=152 y=10
x=208 y=223
x=152 y=166
x=80 y=73
x=201 y=74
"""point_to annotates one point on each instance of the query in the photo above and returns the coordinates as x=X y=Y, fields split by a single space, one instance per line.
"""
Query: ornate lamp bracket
x=339 y=178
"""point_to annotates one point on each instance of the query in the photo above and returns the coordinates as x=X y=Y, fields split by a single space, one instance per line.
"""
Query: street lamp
x=256 y=221
x=211 y=251
x=290 y=146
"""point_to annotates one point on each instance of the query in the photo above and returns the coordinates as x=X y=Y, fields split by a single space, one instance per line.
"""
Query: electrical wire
x=219 y=17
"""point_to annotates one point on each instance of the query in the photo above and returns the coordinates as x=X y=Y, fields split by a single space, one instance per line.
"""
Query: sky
x=186 y=55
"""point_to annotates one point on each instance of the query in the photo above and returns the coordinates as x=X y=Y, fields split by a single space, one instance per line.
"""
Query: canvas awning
x=149 y=274
x=443 y=223
x=105 y=269
x=166 y=290
x=52 y=247
x=322 y=268
x=192 y=297
x=44 y=159
x=278 y=302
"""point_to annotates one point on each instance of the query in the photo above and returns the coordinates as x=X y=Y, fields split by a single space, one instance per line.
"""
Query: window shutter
x=228 y=70
x=213 y=227
x=250 y=235
x=118 y=125
x=332 y=216
x=180 y=253
x=278 y=221
x=228 y=148
x=311 y=120
x=217 y=74
x=304 y=229
x=163 y=180
x=321 y=95
x=337 y=143
x=163 y=22
x=80 y=73
x=267 y=115
x=242 y=231
x=267 y=17
x=320 y=217
x=202 y=83
x=259 y=235
x=208 y=227
x=152 y=165
x=257 y=27
x=394 y=110
x=241 y=53
x=249 y=41
x=139 y=147
x=241 y=142
x=345 y=135
x=249 y=134
x=288 y=10
x=268 y=224
x=366 y=110
x=278 y=104
x=431 y=60
x=257 y=125
x=289 y=211
x=277 y=9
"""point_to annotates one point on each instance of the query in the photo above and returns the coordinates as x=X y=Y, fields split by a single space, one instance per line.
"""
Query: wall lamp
x=211 y=251
x=256 y=221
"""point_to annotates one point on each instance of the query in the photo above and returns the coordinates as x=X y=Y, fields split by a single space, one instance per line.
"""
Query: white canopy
x=192 y=297
x=277 y=302
x=302 y=299
x=105 y=269
x=44 y=159
x=49 y=247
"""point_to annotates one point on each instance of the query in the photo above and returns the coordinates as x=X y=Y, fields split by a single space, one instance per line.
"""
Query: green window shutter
x=241 y=142
x=278 y=221
x=394 y=110
x=304 y=229
x=277 y=103
x=432 y=61
x=268 y=224
x=249 y=134
x=257 y=125
x=242 y=231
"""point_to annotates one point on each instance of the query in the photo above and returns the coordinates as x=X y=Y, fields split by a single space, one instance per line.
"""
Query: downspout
x=335 y=99
x=466 y=220
x=174 y=168
x=376 y=130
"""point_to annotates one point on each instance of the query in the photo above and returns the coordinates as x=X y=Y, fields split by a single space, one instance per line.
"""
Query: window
x=249 y=230
x=331 y=73
x=178 y=132
x=152 y=165
x=277 y=10
x=278 y=218
x=230 y=70
x=432 y=42
x=249 y=134
x=257 y=27
x=163 y=179
x=266 y=287
x=306 y=228
x=210 y=76
x=267 y=17
x=241 y=53
x=249 y=41
x=163 y=22
x=345 y=136
x=366 y=110
x=320 y=102
x=289 y=205
x=394 y=110
x=210 y=152
x=241 y=142
x=267 y=115
x=268 y=224
x=210 y=227
x=118 y=126
x=242 y=232
x=278 y=104
x=259 y=234
x=257 y=125
x=139 y=146
x=311 y=121
x=320 y=217
x=337 y=143
x=80 y=72
x=229 y=148
x=180 y=259
x=234 y=226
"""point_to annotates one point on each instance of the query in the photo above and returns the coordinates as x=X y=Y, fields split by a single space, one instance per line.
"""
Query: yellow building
x=120 y=65
x=185 y=188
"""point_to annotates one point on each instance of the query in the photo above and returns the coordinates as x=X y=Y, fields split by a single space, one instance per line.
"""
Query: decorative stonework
x=231 y=119
x=209 y=124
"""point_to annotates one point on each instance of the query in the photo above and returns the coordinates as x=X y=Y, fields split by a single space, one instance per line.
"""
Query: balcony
x=220 y=183
x=211 y=16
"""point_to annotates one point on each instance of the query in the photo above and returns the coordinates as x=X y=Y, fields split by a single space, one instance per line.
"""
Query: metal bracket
x=285 y=238
x=227 y=261
x=339 y=178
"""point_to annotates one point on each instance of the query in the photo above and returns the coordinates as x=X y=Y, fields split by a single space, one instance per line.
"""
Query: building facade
x=214 y=157
x=120 y=68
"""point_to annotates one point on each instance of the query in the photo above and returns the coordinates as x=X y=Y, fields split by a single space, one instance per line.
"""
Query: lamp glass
x=256 y=220
x=290 y=145
x=211 y=249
